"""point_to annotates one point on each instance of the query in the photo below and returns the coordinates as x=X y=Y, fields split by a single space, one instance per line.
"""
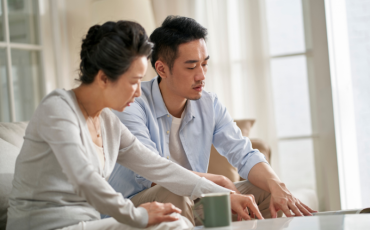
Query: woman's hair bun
x=112 y=47
x=91 y=38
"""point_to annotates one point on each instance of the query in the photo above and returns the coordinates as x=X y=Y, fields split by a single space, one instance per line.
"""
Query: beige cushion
x=13 y=132
x=245 y=126
x=219 y=164
x=263 y=147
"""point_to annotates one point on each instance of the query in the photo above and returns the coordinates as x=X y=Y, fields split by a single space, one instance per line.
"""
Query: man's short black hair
x=175 y=30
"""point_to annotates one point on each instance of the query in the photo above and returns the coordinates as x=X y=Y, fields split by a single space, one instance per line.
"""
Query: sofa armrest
x=220 y=166
x=263 y=147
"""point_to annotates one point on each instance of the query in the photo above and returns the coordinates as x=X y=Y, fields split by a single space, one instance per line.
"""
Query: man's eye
x=192 y=68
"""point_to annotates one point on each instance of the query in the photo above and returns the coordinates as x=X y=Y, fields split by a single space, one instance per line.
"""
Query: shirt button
x=168 y=157
x=168 y=131
x=168 y=115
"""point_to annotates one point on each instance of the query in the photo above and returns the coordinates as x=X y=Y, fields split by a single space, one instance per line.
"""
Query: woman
x=73 y=142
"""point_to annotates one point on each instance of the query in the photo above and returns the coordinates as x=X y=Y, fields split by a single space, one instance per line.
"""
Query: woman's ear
x=161 y=68
x=102 y=79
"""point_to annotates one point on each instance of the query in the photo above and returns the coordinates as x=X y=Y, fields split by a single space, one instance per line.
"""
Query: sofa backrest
x=13 y=132
x=11 y=140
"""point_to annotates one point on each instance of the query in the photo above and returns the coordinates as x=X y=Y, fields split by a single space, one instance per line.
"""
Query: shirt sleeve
x=230 y=143
x=59 y=127
x=138 y=158
x=134 y=118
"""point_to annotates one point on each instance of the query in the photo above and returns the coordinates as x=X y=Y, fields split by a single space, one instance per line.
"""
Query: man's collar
x=160 y=106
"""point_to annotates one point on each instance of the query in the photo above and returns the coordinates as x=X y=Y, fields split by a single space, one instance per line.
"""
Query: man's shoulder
x=146 y=92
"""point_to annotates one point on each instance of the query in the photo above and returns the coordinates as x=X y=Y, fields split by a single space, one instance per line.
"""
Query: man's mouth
x=198 y=88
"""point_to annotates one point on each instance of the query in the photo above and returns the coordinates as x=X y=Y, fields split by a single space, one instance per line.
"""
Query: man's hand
x=282 y=199
x=262 y=176
x=159 y=212
x=245 y=206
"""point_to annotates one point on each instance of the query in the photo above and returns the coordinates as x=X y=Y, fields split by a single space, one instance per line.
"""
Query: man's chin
x=194 y=98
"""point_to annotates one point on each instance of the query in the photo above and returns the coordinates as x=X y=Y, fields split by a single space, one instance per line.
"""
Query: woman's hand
x=245 y=206
x=159 y=212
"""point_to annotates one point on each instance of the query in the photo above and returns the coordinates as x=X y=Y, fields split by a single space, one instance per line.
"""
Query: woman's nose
x=138 y=91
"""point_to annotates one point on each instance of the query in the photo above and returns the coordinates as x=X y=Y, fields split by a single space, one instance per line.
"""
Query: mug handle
x=196 y=214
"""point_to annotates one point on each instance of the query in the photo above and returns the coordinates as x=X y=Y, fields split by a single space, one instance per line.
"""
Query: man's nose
x=201 y=75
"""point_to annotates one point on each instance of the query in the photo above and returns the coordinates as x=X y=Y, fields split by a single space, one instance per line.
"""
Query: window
x=21 y=86
x=290 y=86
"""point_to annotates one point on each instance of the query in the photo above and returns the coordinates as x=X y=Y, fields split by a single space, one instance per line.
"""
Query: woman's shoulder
x=58 y=101
x=58 y=95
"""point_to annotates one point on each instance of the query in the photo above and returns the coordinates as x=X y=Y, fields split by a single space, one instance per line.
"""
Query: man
x=180 y=122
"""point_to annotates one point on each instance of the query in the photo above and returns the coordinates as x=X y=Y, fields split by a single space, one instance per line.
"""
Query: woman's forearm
x=217 y=179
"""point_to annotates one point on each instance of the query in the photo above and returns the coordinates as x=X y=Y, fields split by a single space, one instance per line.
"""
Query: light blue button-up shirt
x=205 y=122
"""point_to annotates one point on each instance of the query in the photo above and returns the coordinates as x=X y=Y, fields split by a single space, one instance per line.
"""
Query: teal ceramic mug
x=216 y=209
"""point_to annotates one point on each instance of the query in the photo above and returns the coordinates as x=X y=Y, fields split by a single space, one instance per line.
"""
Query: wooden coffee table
x=335 y=222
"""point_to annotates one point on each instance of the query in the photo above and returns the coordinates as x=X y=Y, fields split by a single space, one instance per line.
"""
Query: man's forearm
x=264 y=177
x=217 y=179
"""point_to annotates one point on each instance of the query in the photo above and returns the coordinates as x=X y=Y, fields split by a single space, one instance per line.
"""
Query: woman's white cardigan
x=58 y=180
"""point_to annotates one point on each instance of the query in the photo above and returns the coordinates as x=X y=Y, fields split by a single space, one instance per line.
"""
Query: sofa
x=11 y=140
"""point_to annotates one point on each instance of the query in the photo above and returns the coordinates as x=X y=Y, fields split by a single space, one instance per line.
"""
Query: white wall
x=78 y=21
x=82 y=14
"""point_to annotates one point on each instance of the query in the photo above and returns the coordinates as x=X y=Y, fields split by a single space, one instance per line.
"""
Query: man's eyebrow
x=195 y=61
x=137 y=77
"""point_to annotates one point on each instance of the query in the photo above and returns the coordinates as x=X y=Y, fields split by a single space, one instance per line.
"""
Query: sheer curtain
x=349 y=47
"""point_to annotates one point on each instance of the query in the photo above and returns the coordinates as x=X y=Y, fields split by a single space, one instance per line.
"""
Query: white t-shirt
x=176 y=150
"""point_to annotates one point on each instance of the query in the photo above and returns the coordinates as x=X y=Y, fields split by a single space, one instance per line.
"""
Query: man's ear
x=162 y=69
x=102 y=79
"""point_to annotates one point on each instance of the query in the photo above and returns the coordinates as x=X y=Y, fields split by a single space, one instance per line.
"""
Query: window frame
x=320 y=96
x=48 y=29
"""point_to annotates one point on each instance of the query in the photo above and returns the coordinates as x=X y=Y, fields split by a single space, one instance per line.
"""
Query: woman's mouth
x=129 y=103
